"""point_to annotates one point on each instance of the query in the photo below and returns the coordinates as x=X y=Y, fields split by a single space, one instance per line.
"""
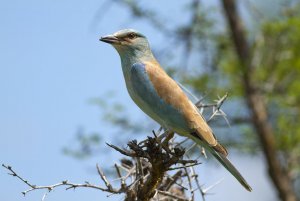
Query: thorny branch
x=158 y=168
x=216 y=107
x=144 y=176
x=69 y=185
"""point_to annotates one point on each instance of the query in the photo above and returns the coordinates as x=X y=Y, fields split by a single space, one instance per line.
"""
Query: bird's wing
x=144 y=94
x=168 y=90
x=172 y=94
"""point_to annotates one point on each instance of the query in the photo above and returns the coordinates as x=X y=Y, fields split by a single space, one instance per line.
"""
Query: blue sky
x=51 y=65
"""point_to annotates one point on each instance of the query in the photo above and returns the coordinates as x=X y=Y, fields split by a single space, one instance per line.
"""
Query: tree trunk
x=257 y=107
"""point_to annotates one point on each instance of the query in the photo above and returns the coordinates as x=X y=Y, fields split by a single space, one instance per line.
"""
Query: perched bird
x=160 y=97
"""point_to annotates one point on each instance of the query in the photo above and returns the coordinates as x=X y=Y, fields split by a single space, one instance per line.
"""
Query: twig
x=51 y=187
x=212 y=186
x=183 y=162
x=124 y=152
x=191 y=147
x=140 y=168
x=106 y=182
x=13 y=173
x=191 y=165
x=123 y=184
x=171 y=180
x=198 y=183
x=194 y=175
x=166 y=193
x=44 y=196
x=190 y=183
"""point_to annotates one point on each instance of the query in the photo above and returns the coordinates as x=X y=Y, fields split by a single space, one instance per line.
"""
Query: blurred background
x=63 y=94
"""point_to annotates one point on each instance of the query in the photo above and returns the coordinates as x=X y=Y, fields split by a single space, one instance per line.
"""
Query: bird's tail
x=229 y=166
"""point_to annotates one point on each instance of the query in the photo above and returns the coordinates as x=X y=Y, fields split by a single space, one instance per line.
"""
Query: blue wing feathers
x=146 y=97
x=142 y=85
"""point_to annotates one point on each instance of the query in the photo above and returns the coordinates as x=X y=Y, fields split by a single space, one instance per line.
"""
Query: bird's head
x=128 y=42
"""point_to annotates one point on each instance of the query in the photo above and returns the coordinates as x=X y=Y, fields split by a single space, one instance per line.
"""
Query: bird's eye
x=131 y=35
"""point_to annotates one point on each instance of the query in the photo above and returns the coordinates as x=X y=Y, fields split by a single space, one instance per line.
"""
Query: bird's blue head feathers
x=129 y=42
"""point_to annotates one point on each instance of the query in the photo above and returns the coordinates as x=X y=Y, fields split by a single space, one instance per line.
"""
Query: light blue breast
x=145 y=96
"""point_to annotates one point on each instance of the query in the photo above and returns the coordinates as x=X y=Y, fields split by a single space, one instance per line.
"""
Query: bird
x=161 y=98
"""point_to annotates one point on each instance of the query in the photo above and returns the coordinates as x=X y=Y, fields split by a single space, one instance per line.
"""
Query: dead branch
x=146 y=172
x=66 y=183
x=144 y=176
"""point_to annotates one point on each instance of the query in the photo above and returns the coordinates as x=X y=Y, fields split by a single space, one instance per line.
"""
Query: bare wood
x=51 y=187
x=257 y=106
x=172 y=195
x=147 y=169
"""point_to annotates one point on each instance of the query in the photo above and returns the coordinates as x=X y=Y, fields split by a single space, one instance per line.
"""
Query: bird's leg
x=164 y=134
x=157 y=135
x=165 y=143
x=169 y=136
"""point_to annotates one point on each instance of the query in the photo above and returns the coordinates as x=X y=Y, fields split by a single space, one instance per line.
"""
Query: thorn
x=154 y=133
x=203 y=152
x=212 y=186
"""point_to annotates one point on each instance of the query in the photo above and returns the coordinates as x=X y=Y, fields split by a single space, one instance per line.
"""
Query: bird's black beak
x=111 y=39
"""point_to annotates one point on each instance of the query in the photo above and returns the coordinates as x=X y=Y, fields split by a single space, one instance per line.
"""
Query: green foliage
x=279 y=76
x=276 y=74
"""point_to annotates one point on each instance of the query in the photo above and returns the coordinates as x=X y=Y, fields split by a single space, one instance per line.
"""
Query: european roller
x=160 y=97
